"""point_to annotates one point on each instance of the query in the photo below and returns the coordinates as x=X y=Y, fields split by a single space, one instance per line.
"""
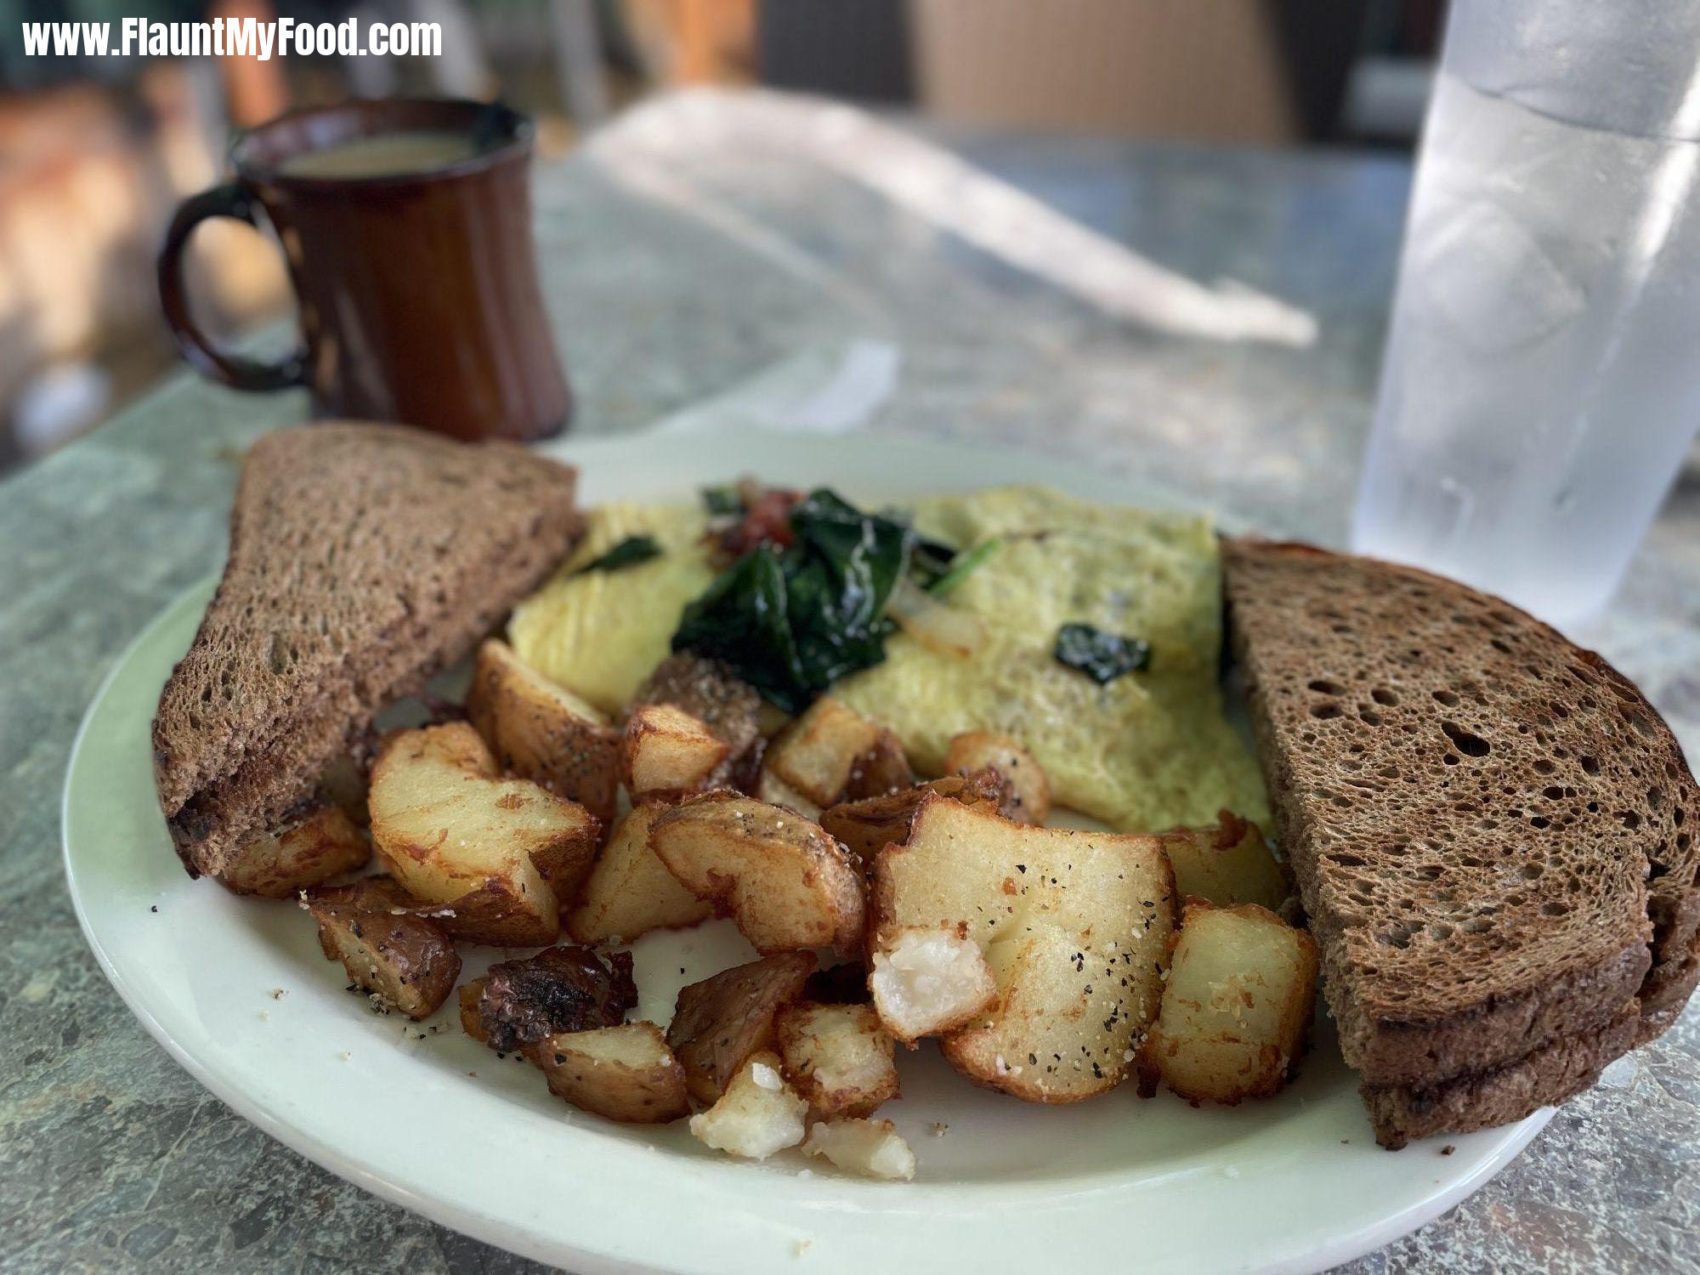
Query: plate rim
x=358 y=1169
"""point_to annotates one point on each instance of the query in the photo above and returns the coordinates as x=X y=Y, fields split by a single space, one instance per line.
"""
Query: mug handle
x=232 y=199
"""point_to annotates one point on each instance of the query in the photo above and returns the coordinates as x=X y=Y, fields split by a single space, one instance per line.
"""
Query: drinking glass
x=1541 y=383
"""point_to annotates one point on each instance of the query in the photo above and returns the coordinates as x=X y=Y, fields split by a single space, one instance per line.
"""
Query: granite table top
x=682 y=252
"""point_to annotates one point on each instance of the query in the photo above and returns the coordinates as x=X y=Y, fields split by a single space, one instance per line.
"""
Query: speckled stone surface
x=112 y=1158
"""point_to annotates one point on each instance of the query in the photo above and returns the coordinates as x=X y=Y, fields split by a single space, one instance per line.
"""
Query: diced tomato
x=766 y=520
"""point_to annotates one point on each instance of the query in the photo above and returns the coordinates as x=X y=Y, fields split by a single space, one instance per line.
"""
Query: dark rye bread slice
x=1559 y=1069
x=1491 y=829
x=363 y=558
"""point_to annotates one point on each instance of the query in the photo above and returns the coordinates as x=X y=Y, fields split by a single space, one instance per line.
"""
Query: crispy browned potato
x=543 y=732
x=630 y=892
x=981 y=750
x=784 y=882
x=866 y=1148
x=560 y=989
x=774 y=791
x=1074 y=926
x=866 y=827
x=1227 y=864
x=321 y=845
x=719 y=1022
x=405 y=960
x=710 y=692
x=757 y=1115
x=1236 y=1007
x=838 y=1057
x=666 y=753
x=884 y=768
x=499 y=854
x=817 y=753
x=625 y=1073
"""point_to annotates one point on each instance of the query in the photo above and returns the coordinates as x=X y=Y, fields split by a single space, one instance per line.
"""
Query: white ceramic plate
x=238 y=992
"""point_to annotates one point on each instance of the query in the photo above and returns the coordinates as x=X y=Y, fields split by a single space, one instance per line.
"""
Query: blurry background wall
x=95 y=153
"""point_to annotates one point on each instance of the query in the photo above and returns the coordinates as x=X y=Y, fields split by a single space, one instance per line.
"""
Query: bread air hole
x=1468 y=744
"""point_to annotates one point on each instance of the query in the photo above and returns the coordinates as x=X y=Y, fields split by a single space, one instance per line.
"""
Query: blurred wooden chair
x=1203 y=69
x=697 y=41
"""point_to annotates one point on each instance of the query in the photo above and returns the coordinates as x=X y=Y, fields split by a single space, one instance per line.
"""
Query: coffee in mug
x=406 y=226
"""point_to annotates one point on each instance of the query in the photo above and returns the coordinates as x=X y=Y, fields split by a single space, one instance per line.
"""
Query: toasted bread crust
x=1402 y=1052
x=363 y=558
x=1491 y=828
x=1558 y=1070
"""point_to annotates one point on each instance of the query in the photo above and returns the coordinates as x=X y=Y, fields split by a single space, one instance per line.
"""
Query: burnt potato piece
x=405 y=960
x=561 y=989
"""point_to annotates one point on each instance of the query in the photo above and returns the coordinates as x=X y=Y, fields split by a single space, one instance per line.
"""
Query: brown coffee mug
x=418 y=291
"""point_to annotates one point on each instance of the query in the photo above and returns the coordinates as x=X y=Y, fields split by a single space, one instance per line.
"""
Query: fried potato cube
x=838 y=1057
x=405 y=960
x=786 y=884
x=756 y=1116
x=499 y=853
x=867 y=1148
x=322 y=845
x=867 y=826
x=774 y=791
x=720 y=1021
x=630 y=892
x=709 y=691
x=1073 y=924
x=666 y=753
x=927 y=982
x=982 y=750
x=884 y=768
x=1227 y=864
x=625 y=1073
x=543 y=732
x=1236 y=1007
x=818 y=752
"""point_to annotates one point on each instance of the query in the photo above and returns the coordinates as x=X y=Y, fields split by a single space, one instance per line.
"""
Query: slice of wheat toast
x=363 y=558
x=1560 y=1069
x=1491 y=829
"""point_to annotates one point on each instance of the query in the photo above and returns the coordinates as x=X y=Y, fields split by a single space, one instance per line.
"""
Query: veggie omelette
x=1147 y=750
